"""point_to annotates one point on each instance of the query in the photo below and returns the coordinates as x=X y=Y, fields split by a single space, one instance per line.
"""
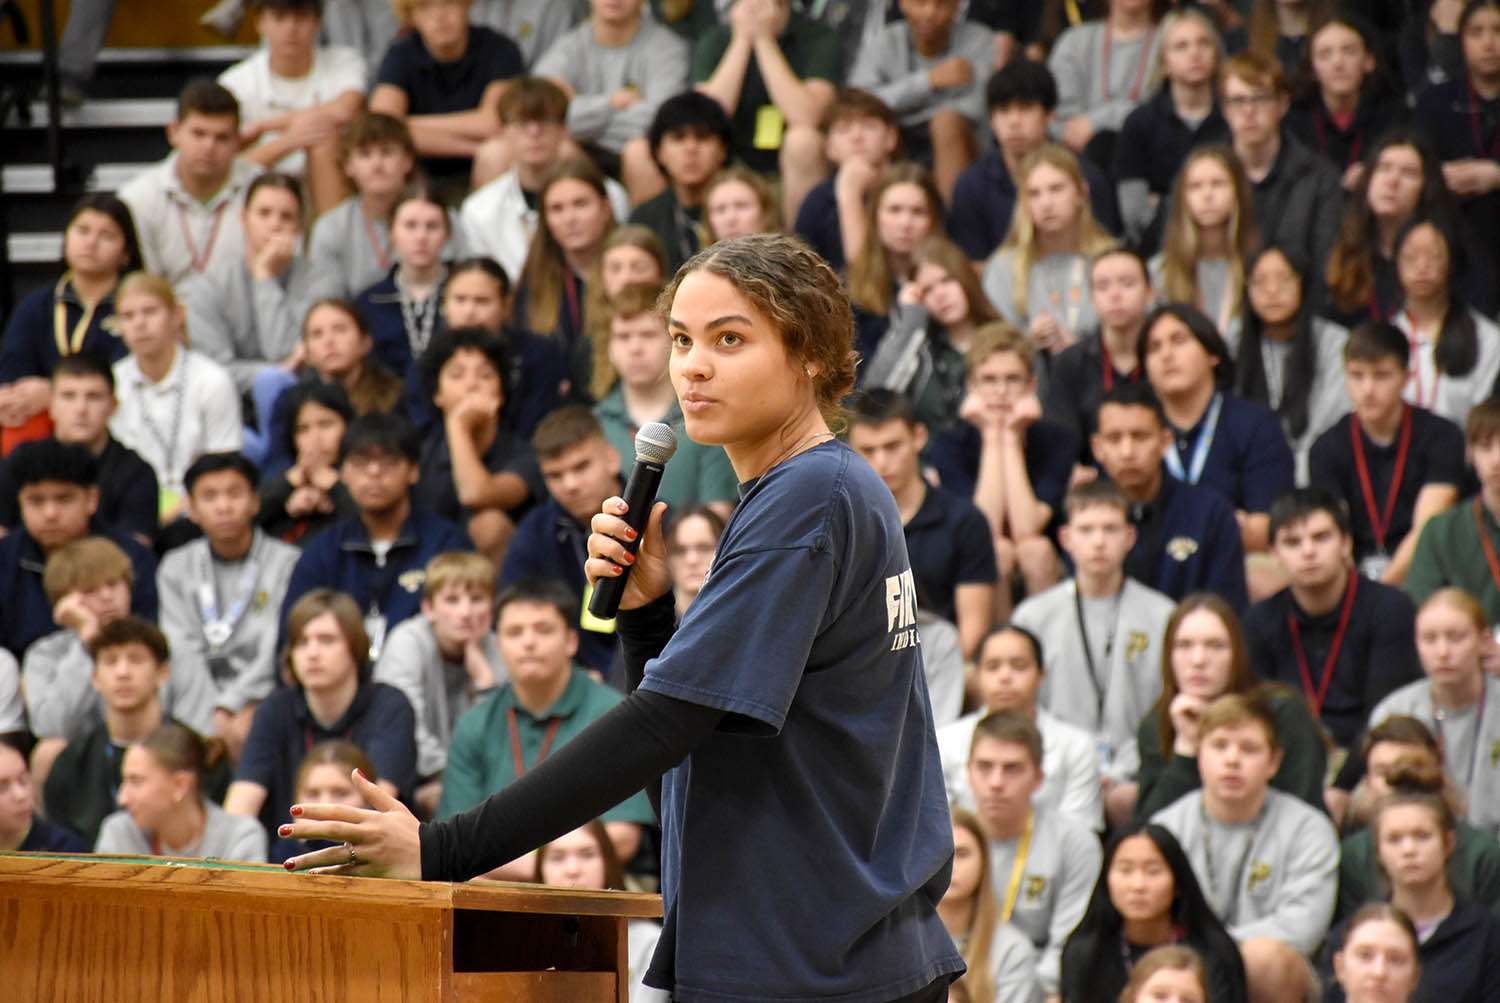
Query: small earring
x=807 y=372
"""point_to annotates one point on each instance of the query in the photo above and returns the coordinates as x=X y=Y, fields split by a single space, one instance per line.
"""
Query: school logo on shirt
x=412 y=581
x=1495 y=754
x=1036 y=887
x=1136 y=643
x=1182 y=547
x=1260 y=873
x=901 y=610
x=261 y=600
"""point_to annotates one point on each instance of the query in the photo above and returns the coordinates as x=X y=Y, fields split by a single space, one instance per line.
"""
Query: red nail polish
x=630 y=534
x=290 y=865
x=297 y=810
x=629 y=557
x=619 y=570
x=361 y=774
x=285 y=830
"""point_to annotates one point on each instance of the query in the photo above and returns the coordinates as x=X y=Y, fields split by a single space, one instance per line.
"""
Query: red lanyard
x=1416 y=357
x=1107 y=363
x=1140 y=69
x=1479 y=149
x=200 y=261
x=1316 y=697
x=515 y=741
x=1380 y=521
x=1489 y=546
x=382 y=254
x=1359 y=138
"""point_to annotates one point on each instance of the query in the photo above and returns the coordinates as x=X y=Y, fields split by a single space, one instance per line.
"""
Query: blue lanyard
x=1201 y=448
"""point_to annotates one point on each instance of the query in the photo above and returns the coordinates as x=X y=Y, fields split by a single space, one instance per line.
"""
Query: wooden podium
x=132 y=930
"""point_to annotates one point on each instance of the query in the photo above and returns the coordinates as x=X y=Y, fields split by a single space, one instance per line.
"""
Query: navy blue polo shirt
x=1050 y=453
x=1155 y=140
x=30 y=346
x=824 y=775
x=1436 y=456
x=1188 y=540
x=1075 y=390
x=435 y=491
x=434 y=88
x=1308 y=119
x=1378 y=654
x=380 y=721
x=550 y=543
x=568 y=331
x=948 y=541
x=818 y=223
x=985 y=197
x=44 y=837
x=128 y=499
x=1249 y=461
x=380 y=306
x=25 y=613
x=341 y=557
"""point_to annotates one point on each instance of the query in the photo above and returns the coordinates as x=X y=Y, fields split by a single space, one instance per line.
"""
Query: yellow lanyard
x=1075 y=16
x=69 y=345
x=1017 y=870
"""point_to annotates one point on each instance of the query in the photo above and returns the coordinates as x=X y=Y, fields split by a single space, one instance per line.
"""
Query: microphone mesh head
x=655 y=442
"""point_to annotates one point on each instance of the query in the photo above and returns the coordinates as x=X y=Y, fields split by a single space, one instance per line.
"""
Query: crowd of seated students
x=1178 y=343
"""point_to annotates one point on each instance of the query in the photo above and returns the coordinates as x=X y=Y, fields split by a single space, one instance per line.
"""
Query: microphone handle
x=640 y=495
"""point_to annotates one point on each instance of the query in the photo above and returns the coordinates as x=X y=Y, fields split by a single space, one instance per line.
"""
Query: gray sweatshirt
x=1057 y=284
x=437 y=688
x=654 y=63
x=247 y=325
x=225 y=837
x=57 y=677
x=1276 y=877
x=1079 y=61
x=1057 y=879
x=1131 y=675
x=891 y=68
x=247 y=672
x=1070 y=767
x=346 y=252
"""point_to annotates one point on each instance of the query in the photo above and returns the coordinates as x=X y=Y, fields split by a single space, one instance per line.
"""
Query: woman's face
x=734 y=210
x=1202 y=655
x=1411 y=844
x=903 y=219
x=272 y=212
x=329 y=783
x=147 y=324
x=335 y=344
x=1189 y=53
x=1448 y=643
x=1176 y=362
x=473 y=299
x=1395 y=183
x=318 y=431
x=1208 y=193
x=577 y=216
x=968 y=863
x=94 y=244
x=1378 y=964
x=419 y=229
x=1275 y=289
x=1481 y=42
x=730 y=367
x=1340 y=60
x=1423 y=263
x=321 y=657
x=628 y=264
x=942 y=294
x=1141 y=884
x=1172 y=985
x=1052 y=198
x=691 y=554
x=147 y=790
x=573 y=861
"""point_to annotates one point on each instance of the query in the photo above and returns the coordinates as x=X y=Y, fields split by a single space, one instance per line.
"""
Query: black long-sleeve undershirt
x=625 y=750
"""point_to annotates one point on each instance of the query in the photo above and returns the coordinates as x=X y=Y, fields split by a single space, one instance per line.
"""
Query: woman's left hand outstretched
x=381 y=841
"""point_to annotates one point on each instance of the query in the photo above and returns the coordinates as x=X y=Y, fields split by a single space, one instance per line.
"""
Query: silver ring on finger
x=353 y=858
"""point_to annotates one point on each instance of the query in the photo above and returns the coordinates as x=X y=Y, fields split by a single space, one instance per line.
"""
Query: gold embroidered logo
x=412 y=580
x=524 y=31
x=1260 y=873
x=1182 y=547
x=262 y=598
x=1136 y=643
x=1036 y=885
x=1495 y=754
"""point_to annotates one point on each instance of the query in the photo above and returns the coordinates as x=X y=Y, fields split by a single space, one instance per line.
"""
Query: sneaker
x=224 y=17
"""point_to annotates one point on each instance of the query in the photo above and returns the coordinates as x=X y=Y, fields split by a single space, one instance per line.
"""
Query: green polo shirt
x=481 y=759
x=1450 y=552
x=696 y=473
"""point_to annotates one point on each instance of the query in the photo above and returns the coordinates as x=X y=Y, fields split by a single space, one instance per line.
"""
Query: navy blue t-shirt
x=1248 y=462
x=806 y=843
x=1050 y=448
x=948 y=540
x=380 y=721
x=1188 y=540
x=818 y=223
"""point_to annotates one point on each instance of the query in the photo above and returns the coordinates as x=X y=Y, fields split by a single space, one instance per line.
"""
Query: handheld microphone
x=654 y=445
